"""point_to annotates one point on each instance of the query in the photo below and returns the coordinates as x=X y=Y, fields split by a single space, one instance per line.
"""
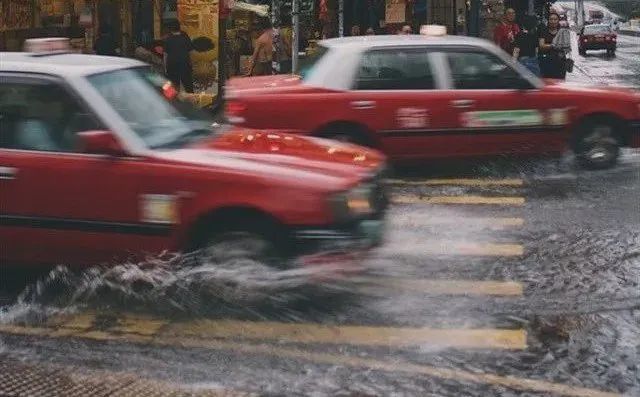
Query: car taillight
x=235 y=108
x=169 y=91
x=234 y=111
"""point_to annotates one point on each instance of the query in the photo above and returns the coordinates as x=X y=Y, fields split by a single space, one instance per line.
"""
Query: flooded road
x=529 y=287
x=497 y=278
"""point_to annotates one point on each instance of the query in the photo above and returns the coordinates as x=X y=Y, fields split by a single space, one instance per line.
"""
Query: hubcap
x=600 y=145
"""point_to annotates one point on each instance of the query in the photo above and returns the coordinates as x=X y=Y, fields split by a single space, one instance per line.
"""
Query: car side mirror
x=100 y=142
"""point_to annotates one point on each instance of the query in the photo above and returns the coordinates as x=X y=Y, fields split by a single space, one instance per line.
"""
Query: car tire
x=597 y=144
x=224 y=248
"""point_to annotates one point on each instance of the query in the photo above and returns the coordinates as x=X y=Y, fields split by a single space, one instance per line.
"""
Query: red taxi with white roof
x=435 y=96
x=97 y=165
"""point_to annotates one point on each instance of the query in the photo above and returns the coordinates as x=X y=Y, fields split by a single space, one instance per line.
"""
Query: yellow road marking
x=352 y=335
x=445 y=287
x=462 y=200
x=459 y=182
x=521 y=384
x=311 y=333
x=412 y=220
x=447 y=248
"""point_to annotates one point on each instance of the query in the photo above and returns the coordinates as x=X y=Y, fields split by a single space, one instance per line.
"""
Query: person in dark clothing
x=552 y=60
x=105 y=43
x=177 y=58
x=525 y=48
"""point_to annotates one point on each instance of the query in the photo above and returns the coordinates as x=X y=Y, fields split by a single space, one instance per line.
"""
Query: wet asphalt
x=549 y=271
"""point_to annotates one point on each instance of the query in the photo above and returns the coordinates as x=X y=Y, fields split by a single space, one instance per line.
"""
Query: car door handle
x=8 y=173
x=362 y=105
x=463 y=103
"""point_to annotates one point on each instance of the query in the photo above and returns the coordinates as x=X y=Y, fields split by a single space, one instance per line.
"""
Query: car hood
x=299 y=159
x=282 y=148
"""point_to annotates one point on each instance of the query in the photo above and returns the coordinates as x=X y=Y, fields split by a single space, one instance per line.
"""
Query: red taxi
x=597 y=37
x=97 y=165
x=423 y=97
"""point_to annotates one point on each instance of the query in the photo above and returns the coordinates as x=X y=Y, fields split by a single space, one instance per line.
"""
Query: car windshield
x=308 y=64
x=597 y=29
x=162 y=123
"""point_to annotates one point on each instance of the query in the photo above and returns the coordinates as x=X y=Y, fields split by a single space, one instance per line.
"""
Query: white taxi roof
x=365 y=42
x=62 y=64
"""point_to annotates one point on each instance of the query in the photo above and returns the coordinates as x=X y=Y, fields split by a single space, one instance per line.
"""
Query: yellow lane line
x=521 y=384
x=414 y=221
x=352 y=335
x=444 y=287
x=461 y=200
x=447 y=248
x=310 y=333
x=459 y=182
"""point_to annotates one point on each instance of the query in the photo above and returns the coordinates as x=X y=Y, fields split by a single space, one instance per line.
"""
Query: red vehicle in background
x=424 y=97
x=97 y=166
x=597 y=37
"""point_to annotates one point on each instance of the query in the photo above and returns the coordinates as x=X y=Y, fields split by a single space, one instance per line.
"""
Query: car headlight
x=354 y=203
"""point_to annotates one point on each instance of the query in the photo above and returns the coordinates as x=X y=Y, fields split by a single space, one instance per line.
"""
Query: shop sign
x=396 y=11
x=199 y=19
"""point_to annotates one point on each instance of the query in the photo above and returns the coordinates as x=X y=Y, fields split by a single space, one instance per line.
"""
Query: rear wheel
x=597 y=145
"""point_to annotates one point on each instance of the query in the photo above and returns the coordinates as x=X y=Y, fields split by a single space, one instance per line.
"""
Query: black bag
x=569 y=65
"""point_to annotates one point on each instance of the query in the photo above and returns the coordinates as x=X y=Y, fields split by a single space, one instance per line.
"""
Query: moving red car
x=424 y=97
x=597 y=37
x=96 y=165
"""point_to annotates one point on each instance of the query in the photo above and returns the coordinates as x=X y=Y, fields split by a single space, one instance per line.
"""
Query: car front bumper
x=598 y=46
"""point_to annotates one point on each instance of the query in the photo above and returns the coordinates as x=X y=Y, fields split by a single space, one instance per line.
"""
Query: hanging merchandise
x=396 y=11
x=199 y=19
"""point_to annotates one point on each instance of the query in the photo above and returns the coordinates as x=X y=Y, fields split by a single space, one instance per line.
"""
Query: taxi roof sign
x=47 y=44
x=433 y=30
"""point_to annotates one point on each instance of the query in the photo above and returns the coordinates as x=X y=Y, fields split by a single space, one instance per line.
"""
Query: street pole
x=295 y=11
x=340 y=18
x=580 y=13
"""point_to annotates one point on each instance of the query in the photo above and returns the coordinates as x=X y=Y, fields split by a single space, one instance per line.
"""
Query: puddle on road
x=182 y=286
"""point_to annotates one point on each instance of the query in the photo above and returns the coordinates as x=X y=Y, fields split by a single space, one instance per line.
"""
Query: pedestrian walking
x=177 y=57
x=504 y=35
x=106 y=43
x=282 y=40
x=525 y=48
x=261 y=60
x=555 y=49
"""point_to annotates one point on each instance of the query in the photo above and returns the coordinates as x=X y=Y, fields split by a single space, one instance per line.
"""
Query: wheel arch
x=621 y=132
x=234 y=218
x=360 y=129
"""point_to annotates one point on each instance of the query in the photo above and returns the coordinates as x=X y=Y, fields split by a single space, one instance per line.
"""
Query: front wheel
x=237 y=245
x=597 y=145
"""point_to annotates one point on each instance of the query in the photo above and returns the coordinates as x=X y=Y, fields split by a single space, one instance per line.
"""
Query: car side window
x=483 y=71
x=42 y=116
x=395 y=69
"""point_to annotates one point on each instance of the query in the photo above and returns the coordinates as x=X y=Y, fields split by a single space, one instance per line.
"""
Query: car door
x=60 y=205
x=396 y=94
x=489 y=107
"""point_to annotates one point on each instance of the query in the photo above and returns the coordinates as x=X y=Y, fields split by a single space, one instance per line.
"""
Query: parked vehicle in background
x=423 y=97
x=100 y=161
x=597 y=37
